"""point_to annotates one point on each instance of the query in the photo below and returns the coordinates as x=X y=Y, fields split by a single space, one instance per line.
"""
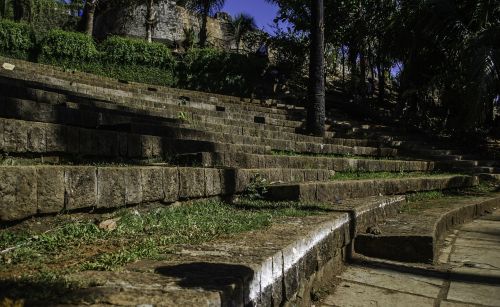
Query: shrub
x=16 y=39
x=67 y=48
x=219 y=71
x=136 y=52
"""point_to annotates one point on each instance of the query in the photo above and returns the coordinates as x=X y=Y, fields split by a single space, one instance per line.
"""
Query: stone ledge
x=414 y=237
x=270 y=267
x=337 y=191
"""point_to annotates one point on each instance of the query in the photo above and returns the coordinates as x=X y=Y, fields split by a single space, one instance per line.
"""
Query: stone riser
x=337 y=191
x=195 y=135
x=94 y=117
x=244 y=160
x=422 y=247
x=30 y=190
x=58 y=91
x=23 y=137
x=206 y=100
x=209 y=99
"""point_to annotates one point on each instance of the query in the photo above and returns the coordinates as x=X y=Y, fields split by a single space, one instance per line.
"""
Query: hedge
x=136 y=52
x=67 y=47
x=135 y=60
x=16 y=39
x=218 y=71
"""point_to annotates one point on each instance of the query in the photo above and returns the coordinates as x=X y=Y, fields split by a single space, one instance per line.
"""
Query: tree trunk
x=343 y=66
x=150 y=20
x=381 y=83
x=20 y=11
x=203 y=28
x=316 y=105
x=88 y=17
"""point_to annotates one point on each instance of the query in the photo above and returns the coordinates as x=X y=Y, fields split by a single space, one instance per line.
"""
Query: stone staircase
x=75 y=142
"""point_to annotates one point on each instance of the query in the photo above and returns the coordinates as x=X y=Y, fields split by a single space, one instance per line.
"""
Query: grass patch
x=322 y=155
x=82 y=245
x=385 y=175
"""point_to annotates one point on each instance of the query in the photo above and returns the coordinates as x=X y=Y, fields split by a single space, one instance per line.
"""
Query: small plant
x=257 y=188
x=183 y=116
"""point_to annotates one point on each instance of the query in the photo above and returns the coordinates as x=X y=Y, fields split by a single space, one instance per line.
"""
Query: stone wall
x=171 y=22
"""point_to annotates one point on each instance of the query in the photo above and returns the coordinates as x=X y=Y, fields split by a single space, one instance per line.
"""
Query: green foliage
x=218 y=71
x=136 y=52
x=69 y=47
x=16 y=39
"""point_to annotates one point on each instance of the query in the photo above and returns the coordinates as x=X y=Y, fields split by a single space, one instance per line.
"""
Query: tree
x=204 y=8
x=150 y=20
x=87 y=21
x=242 y=24
x=316 y=107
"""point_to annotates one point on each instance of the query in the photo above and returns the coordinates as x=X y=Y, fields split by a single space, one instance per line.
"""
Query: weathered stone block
x=170 y=184
x=152 y=184
x=80 y=187
x=36 y=138
x=15 y=136
x=133 y=185
x=111 y=189
x=212 y=182
x=17 y=193
x=191 y=182
x=56 y=138
x=50 y=189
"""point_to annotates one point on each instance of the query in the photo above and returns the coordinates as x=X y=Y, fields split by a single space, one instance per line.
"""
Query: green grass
x=321 y=155
x=384 y=175
x=142 y=235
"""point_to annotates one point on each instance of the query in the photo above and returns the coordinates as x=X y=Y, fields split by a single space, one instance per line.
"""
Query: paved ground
x=468 y=274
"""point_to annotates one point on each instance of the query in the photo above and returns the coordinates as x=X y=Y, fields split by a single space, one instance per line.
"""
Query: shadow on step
x=231 y=280
x=426 y=272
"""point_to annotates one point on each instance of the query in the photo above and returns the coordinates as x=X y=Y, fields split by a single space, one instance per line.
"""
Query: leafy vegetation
x=16 y=39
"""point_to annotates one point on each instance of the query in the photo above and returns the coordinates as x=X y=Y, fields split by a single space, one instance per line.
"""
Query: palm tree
x=204 y=8
x=242 y=24
x=316 y=90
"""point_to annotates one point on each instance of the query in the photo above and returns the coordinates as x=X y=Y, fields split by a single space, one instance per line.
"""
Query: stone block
x=36 y=138
x=212 y=182
x=15 y=136
x=111 y=189
x=56 y=138
x=73 y=140
x=152 y=184
x=80 y=187
x=191 y=182
x=133 y=185
x=50 y=189
x=17 y=193
x=170 y=184
x=134 y=146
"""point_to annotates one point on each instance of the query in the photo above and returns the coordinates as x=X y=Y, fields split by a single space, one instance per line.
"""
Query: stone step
x=415 y=236
x=269 y=106
x=337 y=191
x=36 y=138
x=54 y=91
x=269 y=267
x=28 y=109
x=202 y=101
x=246 y=160
x=42 y=189
x=82 y=115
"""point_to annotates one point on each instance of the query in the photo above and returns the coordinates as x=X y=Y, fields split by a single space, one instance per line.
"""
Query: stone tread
x=413 y=236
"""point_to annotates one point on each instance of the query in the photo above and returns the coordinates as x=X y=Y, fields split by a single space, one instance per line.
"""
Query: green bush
x=136 y=52
x=218 y=71
x=16 y=39
x=67 y=48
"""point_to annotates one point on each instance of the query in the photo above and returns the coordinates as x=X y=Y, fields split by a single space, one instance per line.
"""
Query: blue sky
x=263 y=12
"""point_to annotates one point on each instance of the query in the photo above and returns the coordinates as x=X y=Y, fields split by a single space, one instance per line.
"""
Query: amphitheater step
x=414 y=233
x=337 y=191
x=246 y=160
